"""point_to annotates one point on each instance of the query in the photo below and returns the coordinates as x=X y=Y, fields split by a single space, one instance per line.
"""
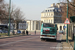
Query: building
x=61 y=26
x=34 y=25
x=52 y=14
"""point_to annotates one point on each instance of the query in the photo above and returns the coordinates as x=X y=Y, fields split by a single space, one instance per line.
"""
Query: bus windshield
x=48 y=25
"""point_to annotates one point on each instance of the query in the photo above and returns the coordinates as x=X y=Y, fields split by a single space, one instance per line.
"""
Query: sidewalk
x=72 y=44
x=66 y=46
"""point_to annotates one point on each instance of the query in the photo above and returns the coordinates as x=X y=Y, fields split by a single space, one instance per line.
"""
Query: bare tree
x=70 y=10
x=1 y=0
x=18 y=16
x=3 y=10
x=16 y=13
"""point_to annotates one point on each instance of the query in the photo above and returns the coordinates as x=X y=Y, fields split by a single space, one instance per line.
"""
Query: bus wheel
x=45 y=40
x=42 y=39
x=55 y=40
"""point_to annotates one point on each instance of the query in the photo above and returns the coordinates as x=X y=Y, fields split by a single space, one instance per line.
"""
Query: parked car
x=1 y=31
x=4 y=31
x=18 y=31
x=61 y=31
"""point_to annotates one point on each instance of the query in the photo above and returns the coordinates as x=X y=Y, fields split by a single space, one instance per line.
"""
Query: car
x=4 y=31
x=1 y=31
x=18 y=31
x=61 y=31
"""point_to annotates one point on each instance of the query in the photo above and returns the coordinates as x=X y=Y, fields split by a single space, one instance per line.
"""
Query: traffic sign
x=67 y=21
x=65 y=27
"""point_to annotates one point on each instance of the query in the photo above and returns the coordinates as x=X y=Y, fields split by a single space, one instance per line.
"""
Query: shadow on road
x=58 y=41
x=50 y=40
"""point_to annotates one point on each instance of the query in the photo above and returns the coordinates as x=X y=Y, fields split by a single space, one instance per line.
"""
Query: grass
x=3 y=34
x=6 y=34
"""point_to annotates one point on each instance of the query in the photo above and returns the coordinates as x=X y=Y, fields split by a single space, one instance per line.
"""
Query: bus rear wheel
x=55 y=40
x=42 y=39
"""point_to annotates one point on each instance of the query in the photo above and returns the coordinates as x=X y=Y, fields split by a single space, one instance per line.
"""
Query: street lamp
x=73 y=19
x=67 y=24
x=9 y=17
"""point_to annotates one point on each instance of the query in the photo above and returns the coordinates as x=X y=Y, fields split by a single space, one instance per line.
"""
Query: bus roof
x=47 y=23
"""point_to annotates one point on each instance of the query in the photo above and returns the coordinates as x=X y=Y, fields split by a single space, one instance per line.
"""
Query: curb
x=12 y=36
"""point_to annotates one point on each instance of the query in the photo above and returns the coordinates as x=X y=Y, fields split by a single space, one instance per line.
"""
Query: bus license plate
x=48 y=35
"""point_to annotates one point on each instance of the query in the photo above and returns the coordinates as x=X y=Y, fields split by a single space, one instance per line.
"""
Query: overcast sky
x=32 y=8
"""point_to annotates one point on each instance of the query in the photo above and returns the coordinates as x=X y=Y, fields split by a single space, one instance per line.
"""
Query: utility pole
x=9 y=17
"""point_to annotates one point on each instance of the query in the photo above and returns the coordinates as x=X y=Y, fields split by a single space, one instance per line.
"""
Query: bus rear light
x=46 y=30
x=42 y=35
x=53 y=36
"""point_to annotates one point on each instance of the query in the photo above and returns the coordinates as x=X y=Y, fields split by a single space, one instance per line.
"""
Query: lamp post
x=67 y=24
x=73 y=19
x=9 y=17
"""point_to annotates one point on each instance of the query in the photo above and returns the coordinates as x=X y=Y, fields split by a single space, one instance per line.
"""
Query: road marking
x=18 y=41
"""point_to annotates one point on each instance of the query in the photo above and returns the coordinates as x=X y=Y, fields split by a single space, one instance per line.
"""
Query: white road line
x=18 y=41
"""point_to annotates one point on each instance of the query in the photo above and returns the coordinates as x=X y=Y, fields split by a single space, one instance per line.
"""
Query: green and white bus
x=48 y=31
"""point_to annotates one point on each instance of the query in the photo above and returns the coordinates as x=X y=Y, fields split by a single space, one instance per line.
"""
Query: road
x=31 y=42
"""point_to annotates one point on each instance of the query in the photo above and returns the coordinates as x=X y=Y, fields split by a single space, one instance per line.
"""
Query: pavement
x=65 y=45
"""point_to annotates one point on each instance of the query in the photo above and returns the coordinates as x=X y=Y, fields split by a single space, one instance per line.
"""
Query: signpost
x=67 y=22
x=65 y=27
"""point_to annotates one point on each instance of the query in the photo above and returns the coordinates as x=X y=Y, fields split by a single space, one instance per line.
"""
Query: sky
x=32 y=8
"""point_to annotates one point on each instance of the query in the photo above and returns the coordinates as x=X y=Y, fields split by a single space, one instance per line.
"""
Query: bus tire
x=42 y=39
x=55 y=40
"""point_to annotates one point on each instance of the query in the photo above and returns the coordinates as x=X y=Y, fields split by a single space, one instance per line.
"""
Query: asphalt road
x=31 y=42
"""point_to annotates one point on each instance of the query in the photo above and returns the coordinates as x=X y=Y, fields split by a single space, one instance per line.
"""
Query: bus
x=48 y=31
